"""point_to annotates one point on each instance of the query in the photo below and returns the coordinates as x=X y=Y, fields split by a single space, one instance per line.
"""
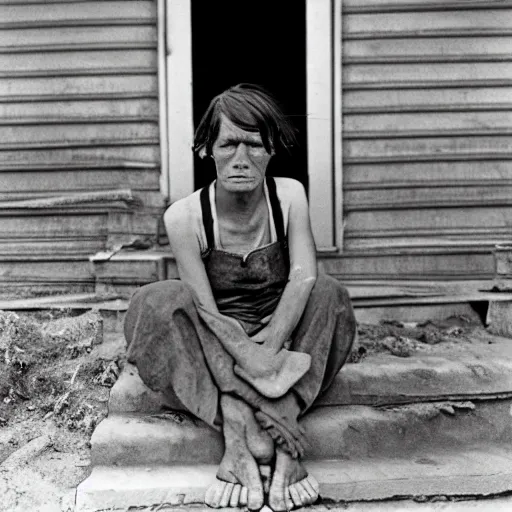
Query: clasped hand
x=267 y=339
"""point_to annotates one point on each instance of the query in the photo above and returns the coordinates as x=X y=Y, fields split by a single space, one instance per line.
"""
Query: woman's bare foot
x=238 y=481
x=291 y=487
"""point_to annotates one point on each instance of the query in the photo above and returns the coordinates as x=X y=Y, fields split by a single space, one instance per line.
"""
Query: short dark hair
x=251 y=108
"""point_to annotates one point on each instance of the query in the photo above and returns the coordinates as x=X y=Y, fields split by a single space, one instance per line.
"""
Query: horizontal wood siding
x=427 y=124
x=78 y=114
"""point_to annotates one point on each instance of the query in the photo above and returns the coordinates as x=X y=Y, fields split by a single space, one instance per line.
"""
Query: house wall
x=78 y=118
x=427 y=99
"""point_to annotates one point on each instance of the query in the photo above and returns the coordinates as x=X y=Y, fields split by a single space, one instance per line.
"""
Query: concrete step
x=479 y=470
x=477 y=369
x=342 y=432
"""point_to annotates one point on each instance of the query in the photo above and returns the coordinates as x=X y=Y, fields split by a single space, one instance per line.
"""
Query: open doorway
x=260 y=42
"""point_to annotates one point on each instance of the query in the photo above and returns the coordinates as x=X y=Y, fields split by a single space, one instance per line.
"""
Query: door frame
x=324 y=113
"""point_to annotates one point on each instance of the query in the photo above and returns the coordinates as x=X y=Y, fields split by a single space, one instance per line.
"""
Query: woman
x=250 y=334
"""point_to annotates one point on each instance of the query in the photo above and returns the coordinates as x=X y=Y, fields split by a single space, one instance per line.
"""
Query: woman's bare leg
x=291 y=486
x=239 y=481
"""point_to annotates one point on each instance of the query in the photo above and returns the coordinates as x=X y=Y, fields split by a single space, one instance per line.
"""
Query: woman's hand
x=262 y=336
x=268 y=339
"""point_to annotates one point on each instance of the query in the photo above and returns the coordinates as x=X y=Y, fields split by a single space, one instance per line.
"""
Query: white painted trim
x=338 y=122
x=179 y=97
x=162 y=100
x=319 y=58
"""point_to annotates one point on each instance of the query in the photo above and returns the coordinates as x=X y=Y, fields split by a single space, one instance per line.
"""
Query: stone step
x=479 y=470
x=476 y=369
x=342 y=432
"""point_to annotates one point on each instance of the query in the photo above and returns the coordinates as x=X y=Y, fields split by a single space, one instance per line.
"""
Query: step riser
x=477 y=471
x=333 y=432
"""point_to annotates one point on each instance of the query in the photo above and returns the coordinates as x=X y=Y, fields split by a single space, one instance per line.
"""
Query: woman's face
x=240 y=158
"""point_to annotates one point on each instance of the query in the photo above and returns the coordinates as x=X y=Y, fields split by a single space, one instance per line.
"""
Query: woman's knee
x=328 y=288
x=157 y=301
x=171 y=291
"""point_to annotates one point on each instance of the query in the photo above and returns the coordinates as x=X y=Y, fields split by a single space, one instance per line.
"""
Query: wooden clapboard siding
x=78 y=113
x=78 y=88
x=427 y=124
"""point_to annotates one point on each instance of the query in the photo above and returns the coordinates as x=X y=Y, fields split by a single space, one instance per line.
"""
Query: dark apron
x=247 y=288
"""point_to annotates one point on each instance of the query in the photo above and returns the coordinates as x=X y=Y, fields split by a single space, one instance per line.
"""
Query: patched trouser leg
x=326 y=331
x=163 y=331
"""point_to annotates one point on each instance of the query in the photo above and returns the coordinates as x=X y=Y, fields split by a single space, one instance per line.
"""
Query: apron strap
x=274 y=202
x=207 y=217
x=276 y=209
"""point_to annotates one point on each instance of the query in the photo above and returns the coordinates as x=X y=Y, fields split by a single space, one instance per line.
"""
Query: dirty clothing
x=247 y=287
x=177 y=353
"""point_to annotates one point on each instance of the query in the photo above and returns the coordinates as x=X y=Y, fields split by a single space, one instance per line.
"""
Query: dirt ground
x=56 y=370
x=55 y=376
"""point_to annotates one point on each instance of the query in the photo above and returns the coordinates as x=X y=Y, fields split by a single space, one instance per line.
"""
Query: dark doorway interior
x=262 y=42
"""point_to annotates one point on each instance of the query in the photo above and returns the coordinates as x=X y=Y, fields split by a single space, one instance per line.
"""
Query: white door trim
x=324 y=160
x=337 y=108
x=180 y=120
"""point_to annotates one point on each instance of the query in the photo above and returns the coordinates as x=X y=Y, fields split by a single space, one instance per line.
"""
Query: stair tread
x=483 y=470
x=342 y=431
x=480 y=369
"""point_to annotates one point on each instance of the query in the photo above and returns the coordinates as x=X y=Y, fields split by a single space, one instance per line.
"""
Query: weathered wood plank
x=111 y=60
x=456 y=21
x=62 y=270
x=440 y=174
x=86 y=198
x=418 y=5
x=497 y=195
x=409 y=244
x=81 y=111
x=78 y=11
x=77 y=35
x=63 y=225
x=427 y=48
x=436 y=146
x=429 y=222
x=429 y=121
x=16 y=182
x=440 y=265
x=59 y=88
x=427 y=99
x=140 y=153
x=95 y=133
x=77 y=246
x=132 y=222
x=139 y=272
x=426 y=72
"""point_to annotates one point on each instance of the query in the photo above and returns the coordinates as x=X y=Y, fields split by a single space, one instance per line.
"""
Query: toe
x=288 y=499
x=226 y=495
x=214 y=494
x=308 y=487
x=255 y=499
x=295 y=495
x=235 y=496
x=244 y=492
x=307 y=496
x=313 y=483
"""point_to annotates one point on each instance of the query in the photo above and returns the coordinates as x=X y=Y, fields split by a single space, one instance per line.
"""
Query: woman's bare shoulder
x=289 y=189
x=184 y=210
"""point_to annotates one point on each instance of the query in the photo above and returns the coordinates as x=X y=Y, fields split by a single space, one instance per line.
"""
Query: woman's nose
x=241 y=153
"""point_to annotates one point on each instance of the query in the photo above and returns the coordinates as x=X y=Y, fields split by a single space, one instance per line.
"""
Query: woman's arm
x=184 y=242
x=303 y=271
x=270 y=375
